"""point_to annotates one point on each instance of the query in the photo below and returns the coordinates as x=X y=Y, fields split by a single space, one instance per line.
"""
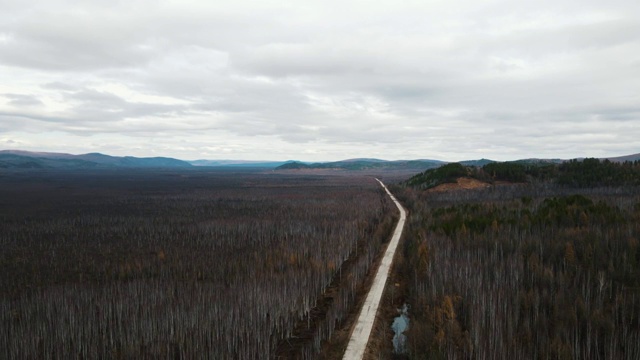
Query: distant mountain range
x=18 y=159
x=364 y=164
x=481 y=162
x=42 y=160
x=634 y=157
x=238 y=163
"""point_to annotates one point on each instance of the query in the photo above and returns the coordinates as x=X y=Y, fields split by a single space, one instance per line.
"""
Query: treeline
x=589 y=172
x=179 y=265
x=593 y=172
x=444 y=174
x=541 y=273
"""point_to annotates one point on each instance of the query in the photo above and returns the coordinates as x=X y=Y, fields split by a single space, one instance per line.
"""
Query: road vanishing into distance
x=364 y=324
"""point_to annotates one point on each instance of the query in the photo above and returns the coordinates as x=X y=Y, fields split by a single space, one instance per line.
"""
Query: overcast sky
x=321 y=80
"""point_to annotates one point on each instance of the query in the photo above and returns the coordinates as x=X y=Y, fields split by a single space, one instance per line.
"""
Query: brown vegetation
x=184 y=265
x=462 y=183
x=523 y=272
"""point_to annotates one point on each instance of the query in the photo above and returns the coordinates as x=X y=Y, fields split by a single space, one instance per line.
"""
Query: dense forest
x=189 y=264
x=544 y=263
x=585 y=173
x=546 y=268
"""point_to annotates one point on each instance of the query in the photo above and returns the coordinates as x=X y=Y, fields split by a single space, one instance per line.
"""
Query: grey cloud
x=20 y=100
x=618 y=113
x=30 y=122
x=59 y=86
x=99 y=36
x=99 y=107
x=433 y=77
x=74 y=44
x=95 y=111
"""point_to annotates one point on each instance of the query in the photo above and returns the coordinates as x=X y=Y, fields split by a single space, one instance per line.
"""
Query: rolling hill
x=365 y=164
x=18 y=159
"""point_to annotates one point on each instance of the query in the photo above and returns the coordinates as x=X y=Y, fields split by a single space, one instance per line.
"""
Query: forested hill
x=364 y=164
x=589 y=172
x=15 y=159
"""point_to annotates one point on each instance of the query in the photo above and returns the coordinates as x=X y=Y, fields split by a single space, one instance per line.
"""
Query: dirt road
x=364 y=325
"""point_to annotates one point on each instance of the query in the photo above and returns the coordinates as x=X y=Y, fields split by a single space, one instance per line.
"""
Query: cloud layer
x=321 y=80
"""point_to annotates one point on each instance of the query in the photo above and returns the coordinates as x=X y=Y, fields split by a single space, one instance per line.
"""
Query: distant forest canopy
x=177 y=264
x=589 y=172
x=532 y=274
x=363 y=164
x=545 y=268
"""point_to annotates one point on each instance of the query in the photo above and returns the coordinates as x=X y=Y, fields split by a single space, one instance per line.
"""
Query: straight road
x=364 y=325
